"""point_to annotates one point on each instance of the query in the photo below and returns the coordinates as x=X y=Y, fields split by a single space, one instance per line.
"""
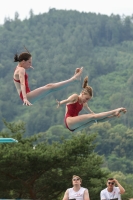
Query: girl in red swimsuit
x=75 y=103
x=21 y=80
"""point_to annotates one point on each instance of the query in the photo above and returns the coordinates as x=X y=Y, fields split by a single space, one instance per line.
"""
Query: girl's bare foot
x=78 y=73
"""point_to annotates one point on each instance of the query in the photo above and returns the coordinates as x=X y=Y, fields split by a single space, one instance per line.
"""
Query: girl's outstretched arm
x=71 y=99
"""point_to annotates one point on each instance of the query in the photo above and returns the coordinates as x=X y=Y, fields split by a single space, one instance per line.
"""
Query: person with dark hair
x=112 y=192
x=75 y=103
x=20 y=78
x=76 y=192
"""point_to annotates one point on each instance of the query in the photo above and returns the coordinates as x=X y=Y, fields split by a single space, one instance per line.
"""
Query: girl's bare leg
x=93 y=122
x=41 y=92
x=82 y=120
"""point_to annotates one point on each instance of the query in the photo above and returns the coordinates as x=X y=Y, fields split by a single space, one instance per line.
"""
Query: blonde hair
x=86 y=88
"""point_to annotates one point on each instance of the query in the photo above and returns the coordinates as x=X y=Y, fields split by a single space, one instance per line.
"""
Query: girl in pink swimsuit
x=21 y=80
x=75 y=103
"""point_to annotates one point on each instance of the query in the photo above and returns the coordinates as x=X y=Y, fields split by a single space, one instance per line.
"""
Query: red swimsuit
x=72 y=111
x=26 y=85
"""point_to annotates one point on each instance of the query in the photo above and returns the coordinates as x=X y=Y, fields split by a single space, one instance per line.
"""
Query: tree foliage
x=59 y=42
x=115 y=143
x=44 y=172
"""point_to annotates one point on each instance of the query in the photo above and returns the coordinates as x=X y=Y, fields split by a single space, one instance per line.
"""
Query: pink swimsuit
x=26 y=85
x=72 y=111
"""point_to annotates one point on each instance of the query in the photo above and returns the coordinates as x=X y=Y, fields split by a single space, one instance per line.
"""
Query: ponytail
x=86 y=88
x=85 y=82
x=16 y=58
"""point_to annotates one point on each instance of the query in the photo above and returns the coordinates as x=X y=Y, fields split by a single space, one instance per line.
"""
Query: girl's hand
x=58 y=102
x=26 y=102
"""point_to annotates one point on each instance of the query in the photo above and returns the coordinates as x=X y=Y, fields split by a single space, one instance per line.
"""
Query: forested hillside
x=60 y=41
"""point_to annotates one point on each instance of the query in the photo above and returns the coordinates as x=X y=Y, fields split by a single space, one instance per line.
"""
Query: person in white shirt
x=76 y=192
x=112 y=192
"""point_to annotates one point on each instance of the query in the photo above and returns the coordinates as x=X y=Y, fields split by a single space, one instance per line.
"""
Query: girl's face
x=27 y=64
x=85 y=97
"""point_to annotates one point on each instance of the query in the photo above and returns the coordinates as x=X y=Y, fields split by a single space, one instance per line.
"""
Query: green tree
x=45 y=172
x=61 y=41
x=117 y=148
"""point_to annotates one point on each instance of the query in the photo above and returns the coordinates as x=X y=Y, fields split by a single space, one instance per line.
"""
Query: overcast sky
x=9 y=7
